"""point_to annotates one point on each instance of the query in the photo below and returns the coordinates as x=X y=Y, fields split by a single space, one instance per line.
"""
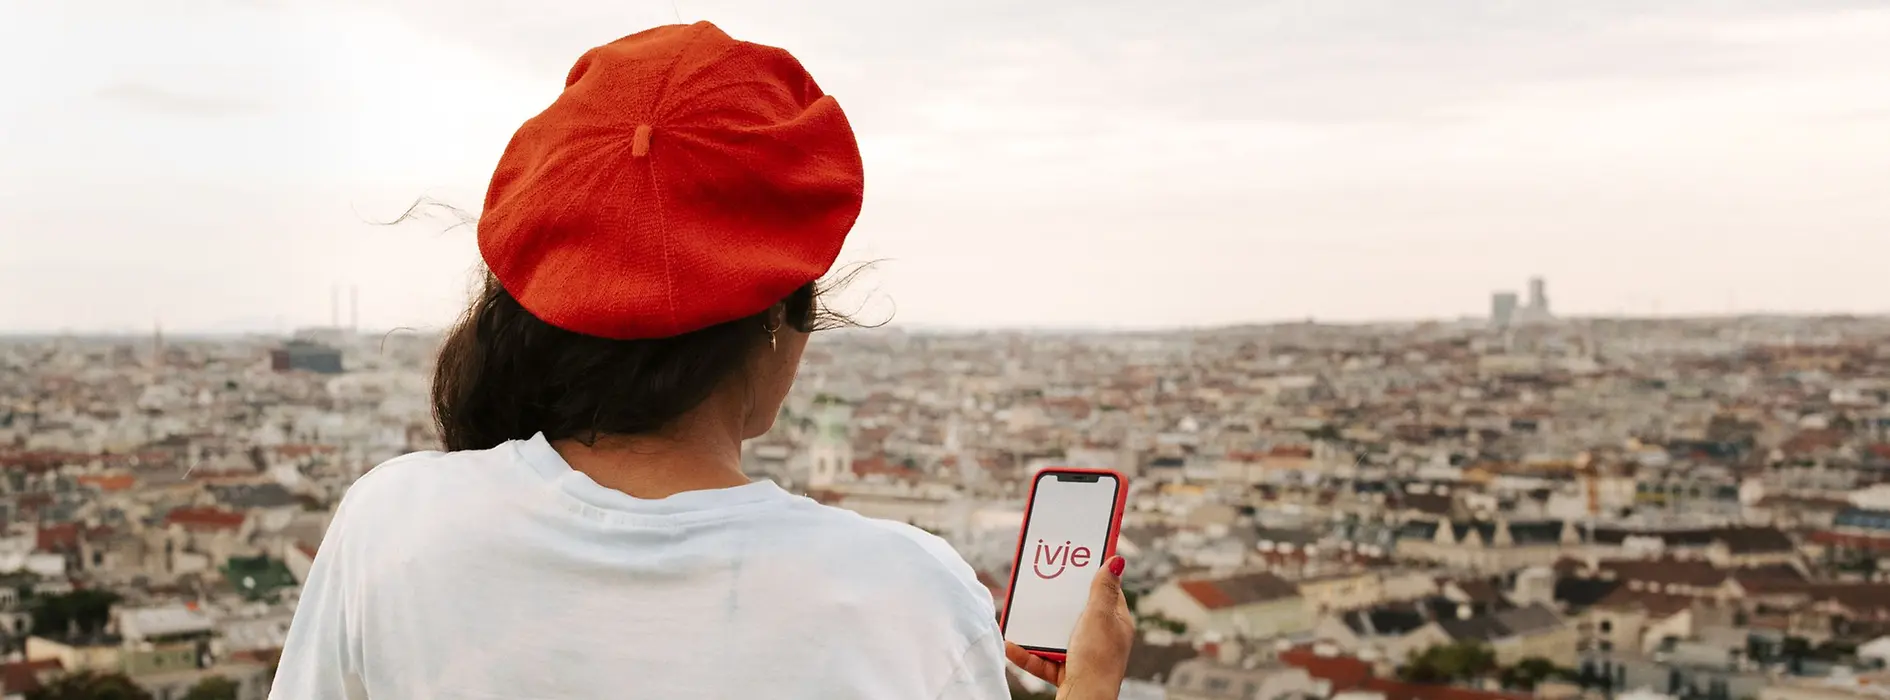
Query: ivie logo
x=1060 y=557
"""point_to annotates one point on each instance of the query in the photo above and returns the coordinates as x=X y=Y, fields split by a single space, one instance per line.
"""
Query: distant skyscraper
x=1506 y=313
x=1538 y=297
x=1502 y=309
x=157 y=344
x=304 y=356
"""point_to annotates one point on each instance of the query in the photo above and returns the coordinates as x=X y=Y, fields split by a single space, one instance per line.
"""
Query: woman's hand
x=1099 y=647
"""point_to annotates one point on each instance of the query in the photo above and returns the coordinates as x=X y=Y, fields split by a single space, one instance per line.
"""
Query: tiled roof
x=1761 y=579
x=1235 y=591
x=1754 y=540
x=1859 y=598
x=1654 y=603
x=1581 y=593
x=1295 y=537
x=1803 y=503
x=1431 y=503
x=1384 y=621
x=205 y=519
x=1347 y=673
x=1875 y=543
x=23 y=676
x=109 y=482
x=1685 y=572
x=1343 y=672
x=1516 y=622
x=58 y=538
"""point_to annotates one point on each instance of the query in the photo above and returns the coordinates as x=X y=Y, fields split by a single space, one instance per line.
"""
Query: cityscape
x=1515 y=505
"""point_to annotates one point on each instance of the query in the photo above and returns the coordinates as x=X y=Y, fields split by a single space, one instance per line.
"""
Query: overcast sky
x=215 y=164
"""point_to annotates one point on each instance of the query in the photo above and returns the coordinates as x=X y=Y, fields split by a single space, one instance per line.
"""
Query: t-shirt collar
x=543 y=459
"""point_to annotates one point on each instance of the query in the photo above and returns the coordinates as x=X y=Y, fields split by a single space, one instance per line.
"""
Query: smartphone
x=1071 y=520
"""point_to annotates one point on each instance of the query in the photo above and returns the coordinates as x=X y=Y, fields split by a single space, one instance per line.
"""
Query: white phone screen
x=1064 y=540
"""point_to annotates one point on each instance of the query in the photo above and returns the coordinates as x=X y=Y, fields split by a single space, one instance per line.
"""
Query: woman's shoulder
x=897 y=555
x=394 y=485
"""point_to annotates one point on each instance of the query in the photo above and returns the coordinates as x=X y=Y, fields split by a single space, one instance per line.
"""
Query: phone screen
x=1065 y=540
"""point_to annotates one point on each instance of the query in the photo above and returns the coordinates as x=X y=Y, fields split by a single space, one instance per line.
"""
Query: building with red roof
x=1345 y=673
x=21 y=678
x=1254 y=605
x=205 y=519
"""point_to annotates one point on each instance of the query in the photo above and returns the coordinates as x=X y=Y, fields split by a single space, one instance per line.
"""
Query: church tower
x=830 y=451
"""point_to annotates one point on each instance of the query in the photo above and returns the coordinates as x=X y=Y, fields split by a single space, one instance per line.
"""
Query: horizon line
x=964 y=329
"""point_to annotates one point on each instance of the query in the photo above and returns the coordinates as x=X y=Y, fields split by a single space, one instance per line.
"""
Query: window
x=1217 y=684
x=1607 y=626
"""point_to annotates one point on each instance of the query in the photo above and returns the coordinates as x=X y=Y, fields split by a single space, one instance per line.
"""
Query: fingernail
x=1116 y=564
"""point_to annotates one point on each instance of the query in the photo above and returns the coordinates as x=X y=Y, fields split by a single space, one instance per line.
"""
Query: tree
x=1530 y=672
x=88 y=610
x=212 y=688
x=1161 y=622
x=86 y=685
x=1448 y=663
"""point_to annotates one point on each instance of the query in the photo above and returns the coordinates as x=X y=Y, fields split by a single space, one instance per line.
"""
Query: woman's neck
x=700 y=451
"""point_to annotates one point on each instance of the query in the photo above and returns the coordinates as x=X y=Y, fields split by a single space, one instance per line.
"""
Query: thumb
x=1105 y=591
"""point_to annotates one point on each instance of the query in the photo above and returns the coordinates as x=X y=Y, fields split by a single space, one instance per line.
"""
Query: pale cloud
x=158 y=99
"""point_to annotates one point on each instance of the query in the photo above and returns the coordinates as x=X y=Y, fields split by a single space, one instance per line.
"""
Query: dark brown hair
x=503 y=374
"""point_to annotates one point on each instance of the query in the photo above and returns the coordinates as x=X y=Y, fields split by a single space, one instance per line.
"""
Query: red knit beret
x=683 y=179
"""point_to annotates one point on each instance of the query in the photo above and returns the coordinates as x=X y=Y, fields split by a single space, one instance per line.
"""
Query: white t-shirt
x=503 y=573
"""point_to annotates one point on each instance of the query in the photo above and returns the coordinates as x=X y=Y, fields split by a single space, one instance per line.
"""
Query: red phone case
x=1109 y=545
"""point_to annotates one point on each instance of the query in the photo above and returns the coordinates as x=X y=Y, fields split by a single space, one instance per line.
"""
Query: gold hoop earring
x=771 y=340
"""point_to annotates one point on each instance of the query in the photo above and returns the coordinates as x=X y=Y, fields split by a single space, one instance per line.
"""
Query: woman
x=653 y=238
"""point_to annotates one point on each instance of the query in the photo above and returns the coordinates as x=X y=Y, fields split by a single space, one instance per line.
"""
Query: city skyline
x=1059 y=165
x=336 y=320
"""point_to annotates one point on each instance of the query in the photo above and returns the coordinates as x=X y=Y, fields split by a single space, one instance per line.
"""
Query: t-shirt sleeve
x=980 y=674
x=947 y=557
x=321 y=658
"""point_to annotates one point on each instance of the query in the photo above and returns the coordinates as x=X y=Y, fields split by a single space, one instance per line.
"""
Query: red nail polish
x=1116 y=564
